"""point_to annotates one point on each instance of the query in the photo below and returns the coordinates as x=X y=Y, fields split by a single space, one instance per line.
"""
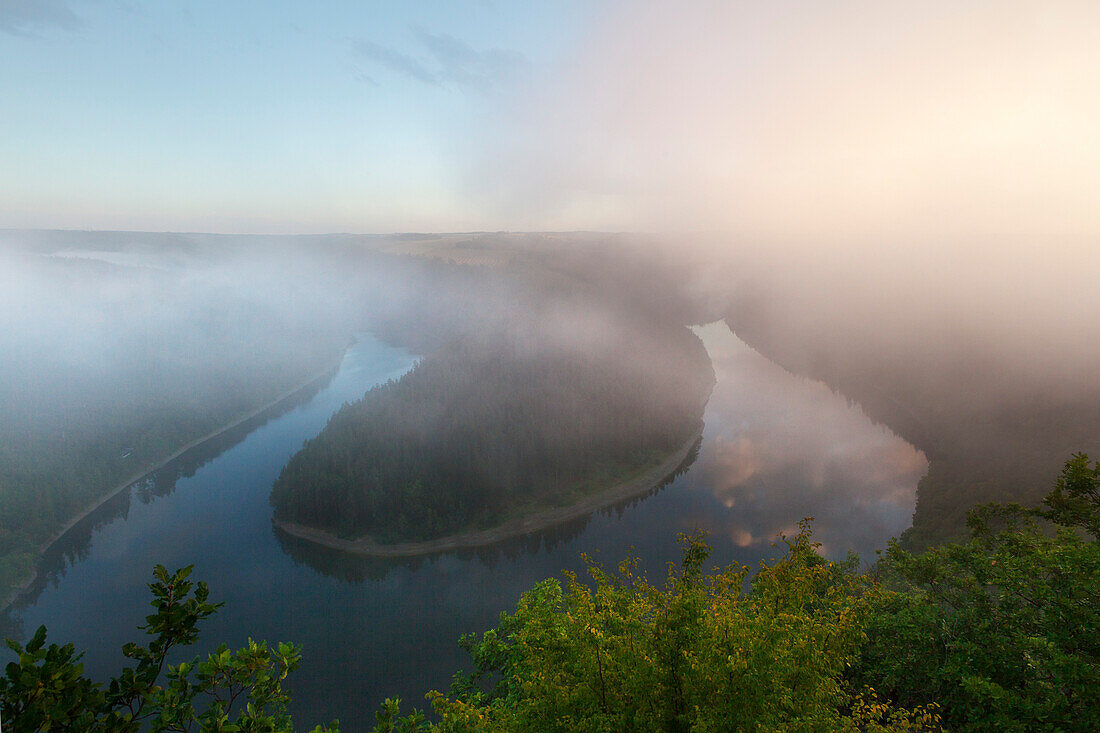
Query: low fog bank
x=1015 y=319
x=102 y=333
x=1018 y=317
x=115 y=347
x=984 y=356
x=96 y=323
x=980 y=352
x=118 y=348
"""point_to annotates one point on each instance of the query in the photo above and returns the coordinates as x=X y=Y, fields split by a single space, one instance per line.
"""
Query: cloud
x=446 y=61
x=363 y=77
x=868 y=119
x=461 y=65
x=395 y=61
x=21 y=17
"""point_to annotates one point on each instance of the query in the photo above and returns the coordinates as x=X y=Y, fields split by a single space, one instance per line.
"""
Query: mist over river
x=775 y=448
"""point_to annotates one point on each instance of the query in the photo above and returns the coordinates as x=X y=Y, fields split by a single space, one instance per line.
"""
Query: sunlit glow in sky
x=853 y=119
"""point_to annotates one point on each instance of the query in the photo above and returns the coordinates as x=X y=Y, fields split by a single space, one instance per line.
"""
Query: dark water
x=776 y=448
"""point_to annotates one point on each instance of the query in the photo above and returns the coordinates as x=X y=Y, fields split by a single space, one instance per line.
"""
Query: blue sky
x=281 y=116
x=810 y=120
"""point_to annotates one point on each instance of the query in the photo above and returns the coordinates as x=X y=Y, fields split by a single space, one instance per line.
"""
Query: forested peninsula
x=496 y=426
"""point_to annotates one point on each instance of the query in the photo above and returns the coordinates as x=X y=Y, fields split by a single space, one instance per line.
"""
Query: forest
x=107 y=369
x=997 y=632
x=117 y=349
x=495 y=424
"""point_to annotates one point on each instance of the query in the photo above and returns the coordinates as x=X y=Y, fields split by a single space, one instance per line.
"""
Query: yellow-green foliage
x=999 y=633
x=701 y=653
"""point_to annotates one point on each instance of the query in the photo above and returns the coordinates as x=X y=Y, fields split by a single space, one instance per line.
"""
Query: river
x=775 y=448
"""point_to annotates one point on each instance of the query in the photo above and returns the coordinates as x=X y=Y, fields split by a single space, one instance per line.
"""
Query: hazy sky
x=780 y=118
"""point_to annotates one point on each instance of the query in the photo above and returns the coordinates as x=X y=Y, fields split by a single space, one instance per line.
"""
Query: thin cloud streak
x=21 y=17
x=450 y=62
x=395 y=61
x=462 y=65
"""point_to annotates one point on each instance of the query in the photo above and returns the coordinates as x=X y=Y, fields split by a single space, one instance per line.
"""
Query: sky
x=841 y=120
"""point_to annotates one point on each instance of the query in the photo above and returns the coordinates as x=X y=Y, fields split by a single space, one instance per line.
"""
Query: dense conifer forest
x=494 y=424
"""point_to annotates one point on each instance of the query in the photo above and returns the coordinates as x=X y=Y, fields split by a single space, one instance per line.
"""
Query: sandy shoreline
x=17 y=590
x=512 y=528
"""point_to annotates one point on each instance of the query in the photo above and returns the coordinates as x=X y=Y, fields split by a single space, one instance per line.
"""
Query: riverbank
x=152 y=466
x=522 y=525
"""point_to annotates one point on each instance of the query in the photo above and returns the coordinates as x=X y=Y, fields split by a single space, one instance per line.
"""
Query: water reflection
x=775 y=448
x=778 y=448
x=75 y=545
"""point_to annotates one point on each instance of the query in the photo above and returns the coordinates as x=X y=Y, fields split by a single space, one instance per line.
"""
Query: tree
x=1003 y=630
x=1075 y=499
x=699 y=653
x=45 y=688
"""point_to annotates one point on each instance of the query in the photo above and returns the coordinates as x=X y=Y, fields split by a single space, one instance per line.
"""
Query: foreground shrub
x=1002 y=631
x=703 y=652
x=45 y=688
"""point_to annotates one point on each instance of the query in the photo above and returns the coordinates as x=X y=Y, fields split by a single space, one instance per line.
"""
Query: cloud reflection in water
x=778 y=447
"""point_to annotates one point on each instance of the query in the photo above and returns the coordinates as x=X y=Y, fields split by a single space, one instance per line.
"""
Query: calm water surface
x=776 y=448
